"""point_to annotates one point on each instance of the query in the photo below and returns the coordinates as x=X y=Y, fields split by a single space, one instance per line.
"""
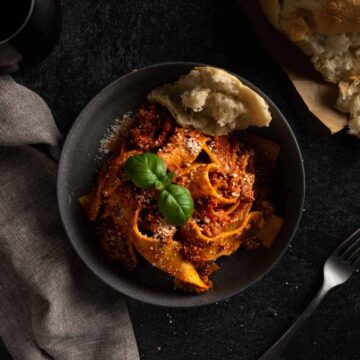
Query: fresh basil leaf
x=176 y=204
x=146 y=170
x=149 y=171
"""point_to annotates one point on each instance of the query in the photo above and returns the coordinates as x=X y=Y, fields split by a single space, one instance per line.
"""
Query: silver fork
x=337 y=269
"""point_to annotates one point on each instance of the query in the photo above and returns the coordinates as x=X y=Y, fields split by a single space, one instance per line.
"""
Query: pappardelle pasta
x=228 y=176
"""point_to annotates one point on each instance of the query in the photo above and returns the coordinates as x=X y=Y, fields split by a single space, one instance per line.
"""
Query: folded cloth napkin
x=51 y=306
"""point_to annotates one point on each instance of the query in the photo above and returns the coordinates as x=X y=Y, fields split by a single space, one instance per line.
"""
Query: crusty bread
x=212 y=101
x=328 y=31
x=335 y=56
x=349 y=101
x=300 y=18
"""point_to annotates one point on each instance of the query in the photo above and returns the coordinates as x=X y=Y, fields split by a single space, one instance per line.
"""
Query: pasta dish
x=228 y=177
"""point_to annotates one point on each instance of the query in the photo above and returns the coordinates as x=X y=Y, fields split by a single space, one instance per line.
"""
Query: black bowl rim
x=134 y=295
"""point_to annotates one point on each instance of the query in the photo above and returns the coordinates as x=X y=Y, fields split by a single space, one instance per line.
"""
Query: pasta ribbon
x=228 y=178
x=166 y=256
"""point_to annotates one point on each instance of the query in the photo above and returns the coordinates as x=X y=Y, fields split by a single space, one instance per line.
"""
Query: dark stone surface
x=103 y=40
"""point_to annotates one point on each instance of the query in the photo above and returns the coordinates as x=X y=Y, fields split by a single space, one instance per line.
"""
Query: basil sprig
x=148 y=171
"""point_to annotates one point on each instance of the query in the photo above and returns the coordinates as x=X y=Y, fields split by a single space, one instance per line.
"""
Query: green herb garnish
x=148 y=171
x=176 y=204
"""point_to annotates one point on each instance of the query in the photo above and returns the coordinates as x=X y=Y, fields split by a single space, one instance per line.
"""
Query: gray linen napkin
x=51 y=306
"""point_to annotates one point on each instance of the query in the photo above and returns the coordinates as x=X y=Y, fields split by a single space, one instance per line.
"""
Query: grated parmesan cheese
x=192 y=145
x=164 y=230
x=118 y=128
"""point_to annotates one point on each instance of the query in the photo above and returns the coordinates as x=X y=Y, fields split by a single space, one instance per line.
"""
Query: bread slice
x=212 y=101
x=349 y=102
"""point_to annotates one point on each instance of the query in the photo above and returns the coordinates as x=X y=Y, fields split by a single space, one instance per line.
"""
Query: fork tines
x=349 y=250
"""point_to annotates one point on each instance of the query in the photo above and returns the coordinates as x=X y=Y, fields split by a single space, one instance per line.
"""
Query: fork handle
x=277 y=349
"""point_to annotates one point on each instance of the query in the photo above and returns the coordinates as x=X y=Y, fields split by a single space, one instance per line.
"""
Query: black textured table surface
x=100 y=41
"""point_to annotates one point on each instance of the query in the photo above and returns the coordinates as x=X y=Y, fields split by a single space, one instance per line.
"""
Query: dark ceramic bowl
x=79 y=165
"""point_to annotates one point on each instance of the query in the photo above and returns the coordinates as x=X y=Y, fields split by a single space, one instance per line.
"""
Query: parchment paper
x=318 y=95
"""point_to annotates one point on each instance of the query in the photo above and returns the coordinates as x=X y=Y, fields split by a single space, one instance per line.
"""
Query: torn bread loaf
x=328 y=31
x=213 y=101
x=349 y=101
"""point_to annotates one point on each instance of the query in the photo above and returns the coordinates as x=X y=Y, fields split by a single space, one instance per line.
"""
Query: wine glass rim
x=31 y=8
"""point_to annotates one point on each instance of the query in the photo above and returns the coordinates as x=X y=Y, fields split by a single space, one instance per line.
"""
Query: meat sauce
x=239 y=178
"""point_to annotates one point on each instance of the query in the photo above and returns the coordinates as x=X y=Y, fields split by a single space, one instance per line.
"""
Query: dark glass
x=13 y=15
x=29 y=29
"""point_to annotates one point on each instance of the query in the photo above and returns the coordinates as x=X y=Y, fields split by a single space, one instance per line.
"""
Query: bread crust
x=271 y=9
x=299 y=18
